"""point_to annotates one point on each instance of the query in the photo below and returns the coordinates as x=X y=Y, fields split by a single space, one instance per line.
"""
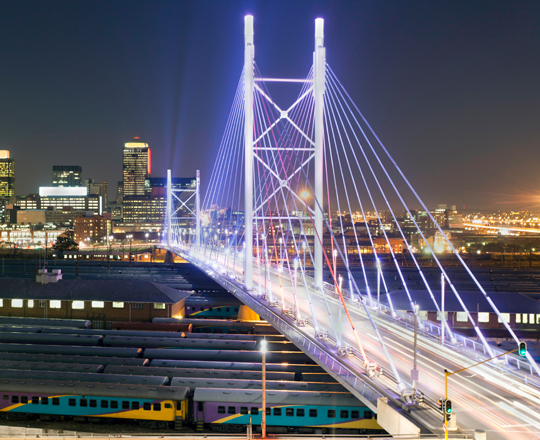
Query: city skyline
x=450 y=88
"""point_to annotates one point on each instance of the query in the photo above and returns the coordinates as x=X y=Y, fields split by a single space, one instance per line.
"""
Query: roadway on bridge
x=483 y=398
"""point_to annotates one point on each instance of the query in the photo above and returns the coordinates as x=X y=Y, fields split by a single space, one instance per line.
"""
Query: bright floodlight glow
x=78 y=191
x=304 y=194
x=263 y=346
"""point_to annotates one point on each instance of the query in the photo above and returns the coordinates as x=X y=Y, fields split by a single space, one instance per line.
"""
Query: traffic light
x=522 y=348
x=448 y=409
x=440 y=402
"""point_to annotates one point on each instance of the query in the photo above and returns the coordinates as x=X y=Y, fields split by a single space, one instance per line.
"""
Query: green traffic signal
x=448 y=406
x=522 y=349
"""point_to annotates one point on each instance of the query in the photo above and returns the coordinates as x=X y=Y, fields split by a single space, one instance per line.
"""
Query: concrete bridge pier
x=169 y=257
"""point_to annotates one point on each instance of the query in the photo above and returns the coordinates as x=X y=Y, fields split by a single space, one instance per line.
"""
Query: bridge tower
x=249 y=55
x=319 y=60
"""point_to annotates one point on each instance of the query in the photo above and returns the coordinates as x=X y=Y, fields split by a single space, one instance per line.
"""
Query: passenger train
x=222 y=410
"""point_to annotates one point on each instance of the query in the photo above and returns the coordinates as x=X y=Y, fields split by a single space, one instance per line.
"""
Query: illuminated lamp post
x=280 y=252
x=304 y=252
x=263 y=409
x=130 y=236
x=109 y=242
x=334 y=254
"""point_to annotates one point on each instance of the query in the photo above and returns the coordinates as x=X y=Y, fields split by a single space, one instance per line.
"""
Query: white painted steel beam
x=169 y=208
x=249 y=55
x=319 y=59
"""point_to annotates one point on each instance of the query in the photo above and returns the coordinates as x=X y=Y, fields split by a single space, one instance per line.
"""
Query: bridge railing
x=432 y=329
x=429 y=328
x=369 y=391
x=435 y=330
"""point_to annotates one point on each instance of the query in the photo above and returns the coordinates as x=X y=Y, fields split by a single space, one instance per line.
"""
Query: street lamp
x=280 y=251
x=109 y=242
x=334 y=254
x=130 y=236
x=263 y=409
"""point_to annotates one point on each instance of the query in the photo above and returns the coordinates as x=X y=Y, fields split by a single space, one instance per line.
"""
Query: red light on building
x=149 y=162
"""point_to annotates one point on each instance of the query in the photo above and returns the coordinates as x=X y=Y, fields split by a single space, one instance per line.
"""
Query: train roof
x=225 y=355
x=83 y=377
x=190 y=343
x=69 y=359
x=255 y=366
x=93 y=389
x=52 y=322
x=276 y=397
x=71 y=350
x=206 y=373
x=49 y=366
x=52 y=338
x=102 y=332
x=198 y=382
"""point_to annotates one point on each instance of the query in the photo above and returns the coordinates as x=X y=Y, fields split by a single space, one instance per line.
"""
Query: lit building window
x=98 y=304
x=30 y=303
x=55 y=304
x=118 y=305
x=17 y=303
x=77 y=305
x=483 y=317
x=525 y=318
x=439 y=316
x=518 y=318
x=506 y=317
x=461 y=317
x=159 y=306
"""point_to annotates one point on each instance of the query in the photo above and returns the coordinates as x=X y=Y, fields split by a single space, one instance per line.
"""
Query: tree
x=64 y=243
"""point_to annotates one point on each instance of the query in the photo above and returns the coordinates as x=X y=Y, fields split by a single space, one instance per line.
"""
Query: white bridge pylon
x=309 y=188
x=315 y=148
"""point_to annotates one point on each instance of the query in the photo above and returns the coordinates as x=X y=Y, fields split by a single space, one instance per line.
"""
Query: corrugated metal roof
x=275 y=397
x=91 y=290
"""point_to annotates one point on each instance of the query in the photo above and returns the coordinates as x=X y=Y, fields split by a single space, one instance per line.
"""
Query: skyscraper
x=7 y=174
x=100 y=189
x=136 y=167
x=67 y=175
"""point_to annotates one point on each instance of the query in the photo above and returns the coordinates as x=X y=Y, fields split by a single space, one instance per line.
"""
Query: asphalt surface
x=483 y=398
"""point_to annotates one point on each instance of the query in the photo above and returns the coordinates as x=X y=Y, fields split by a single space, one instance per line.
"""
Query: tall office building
x=120 y=192
x=7 y=174
x=67 y=175
x=136 y=167
x=99 y=188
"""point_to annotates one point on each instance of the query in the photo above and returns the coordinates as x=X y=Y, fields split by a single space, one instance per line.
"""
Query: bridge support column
x=319 y=69
x=169 y=209
x=198 y=211
x=249 y=54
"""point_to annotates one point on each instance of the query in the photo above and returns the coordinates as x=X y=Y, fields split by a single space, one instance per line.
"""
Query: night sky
x=450 y=87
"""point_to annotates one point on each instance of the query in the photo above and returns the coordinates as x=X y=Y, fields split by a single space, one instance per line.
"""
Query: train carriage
x=286 y=412
x=151 y=406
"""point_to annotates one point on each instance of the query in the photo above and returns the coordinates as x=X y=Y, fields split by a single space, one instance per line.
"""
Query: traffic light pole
x=446 y=374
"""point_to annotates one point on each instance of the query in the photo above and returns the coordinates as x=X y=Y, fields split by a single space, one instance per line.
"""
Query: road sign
x=445 y=427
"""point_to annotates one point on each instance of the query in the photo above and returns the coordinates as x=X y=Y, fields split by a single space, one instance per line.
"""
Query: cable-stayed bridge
x=298 y=193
